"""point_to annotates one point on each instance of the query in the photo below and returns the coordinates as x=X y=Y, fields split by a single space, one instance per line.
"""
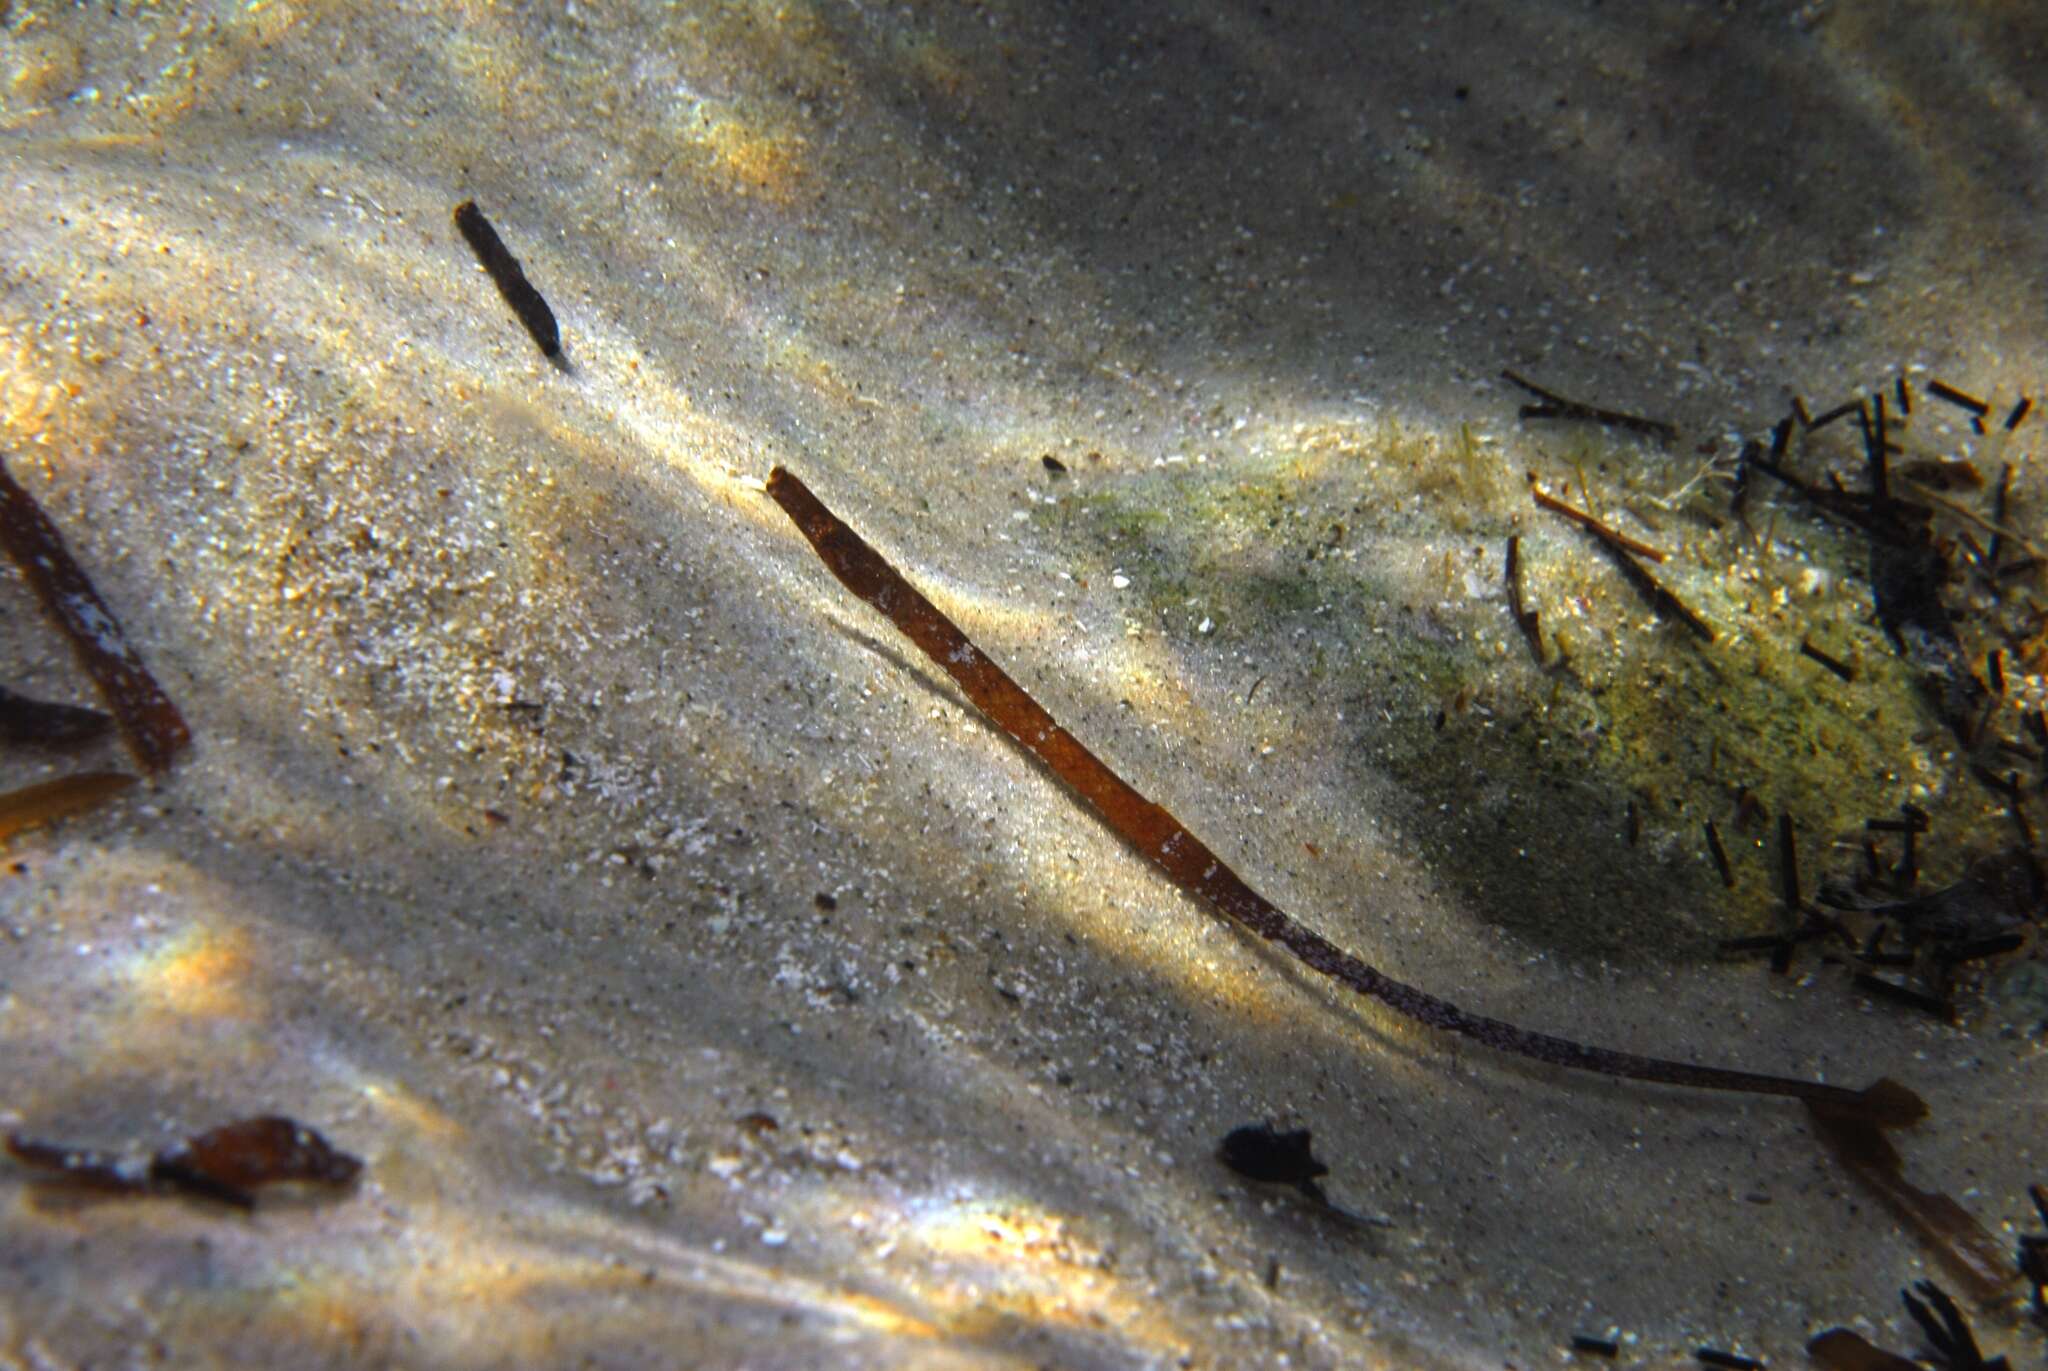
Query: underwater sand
x=554 y=821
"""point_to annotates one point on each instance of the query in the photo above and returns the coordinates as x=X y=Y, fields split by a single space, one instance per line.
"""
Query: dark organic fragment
x=1957 y=1240
x=1190 y=865
x=510 y=278
x=1840 y=411
x=1997 y=895
x=1732 y=1361
x=1613 y=537
x=2033 y=1254
x=47 y=801
x=1555 y=406
x=1624 y=550
x=2019 y=413
x=1719 y=854
x=1261 y=1152
x=39 y=723
x=1596 y=1347
x=1948 y=1332
x=1841 y=1349
x=154 y=729
x=226 y=1163
x=1942 y=390
x=1905 y=995
x=1525 y=618
x=1834 y=664
x=230 y=1161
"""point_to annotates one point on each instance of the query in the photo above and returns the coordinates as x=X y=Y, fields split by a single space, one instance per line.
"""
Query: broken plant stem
x=1198 y=871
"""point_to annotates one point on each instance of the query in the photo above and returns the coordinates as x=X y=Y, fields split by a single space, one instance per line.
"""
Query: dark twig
x=150 y=723
x=1719 y=854
x=1525 y=619
x=510 y=278
x=1613 y=537
x=1556 y=406
x=1834 y=664
x=1942 y=390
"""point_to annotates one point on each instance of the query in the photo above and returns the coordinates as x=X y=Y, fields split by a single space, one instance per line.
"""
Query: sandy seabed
x=702 y=982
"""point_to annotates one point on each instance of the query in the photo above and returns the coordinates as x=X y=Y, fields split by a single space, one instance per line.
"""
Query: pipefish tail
x=1190 y=865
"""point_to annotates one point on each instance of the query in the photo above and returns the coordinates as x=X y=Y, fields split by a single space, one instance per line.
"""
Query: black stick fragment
x=1194 y=868
x=1556 y=406
x=1525 y=619
x=1842 y=410
x=2033 y=1254
x=38 y=723
x=526 y=302
x=1788 y=866
x=1998 y=515
x=2008 y=786
x=1905 y=395
x=2012 y=571
x=1781 y=438
x=1977 y=949
x=2019 y=413
x=1874 y=446
x=156 y=733
x=1905 y=995
x=1942 y=390
x=1948 y=1332
x=1738 y=504
x=1840 y=668
x=1720 y=855
x=1731 y=1361
x=1661 y=600
x=1994 y=667
x=1595 y=1347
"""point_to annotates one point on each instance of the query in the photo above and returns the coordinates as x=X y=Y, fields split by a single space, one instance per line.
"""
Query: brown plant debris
x=1525 y=618
x=227 y=1163
x=1730 y=1361
x=1942 y=390
x=1840 y=1349
x=510 y=278
x=1191 y=866
x=47 y=801
x=1607 y=534
x=1948 y=1332
x=1555 y=406
x=1624 y=550
x=39 y=723
x=154 y=729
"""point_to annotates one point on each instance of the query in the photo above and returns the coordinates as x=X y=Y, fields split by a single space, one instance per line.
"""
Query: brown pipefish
x=1189 y=864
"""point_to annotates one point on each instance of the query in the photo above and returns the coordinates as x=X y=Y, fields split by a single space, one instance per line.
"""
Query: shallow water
x=553 y=816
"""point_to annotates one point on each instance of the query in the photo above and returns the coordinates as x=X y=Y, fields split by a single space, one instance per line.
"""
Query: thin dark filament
x=1195 y=869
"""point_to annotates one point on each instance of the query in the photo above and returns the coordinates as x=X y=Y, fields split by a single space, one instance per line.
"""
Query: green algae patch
x=1565 y=805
